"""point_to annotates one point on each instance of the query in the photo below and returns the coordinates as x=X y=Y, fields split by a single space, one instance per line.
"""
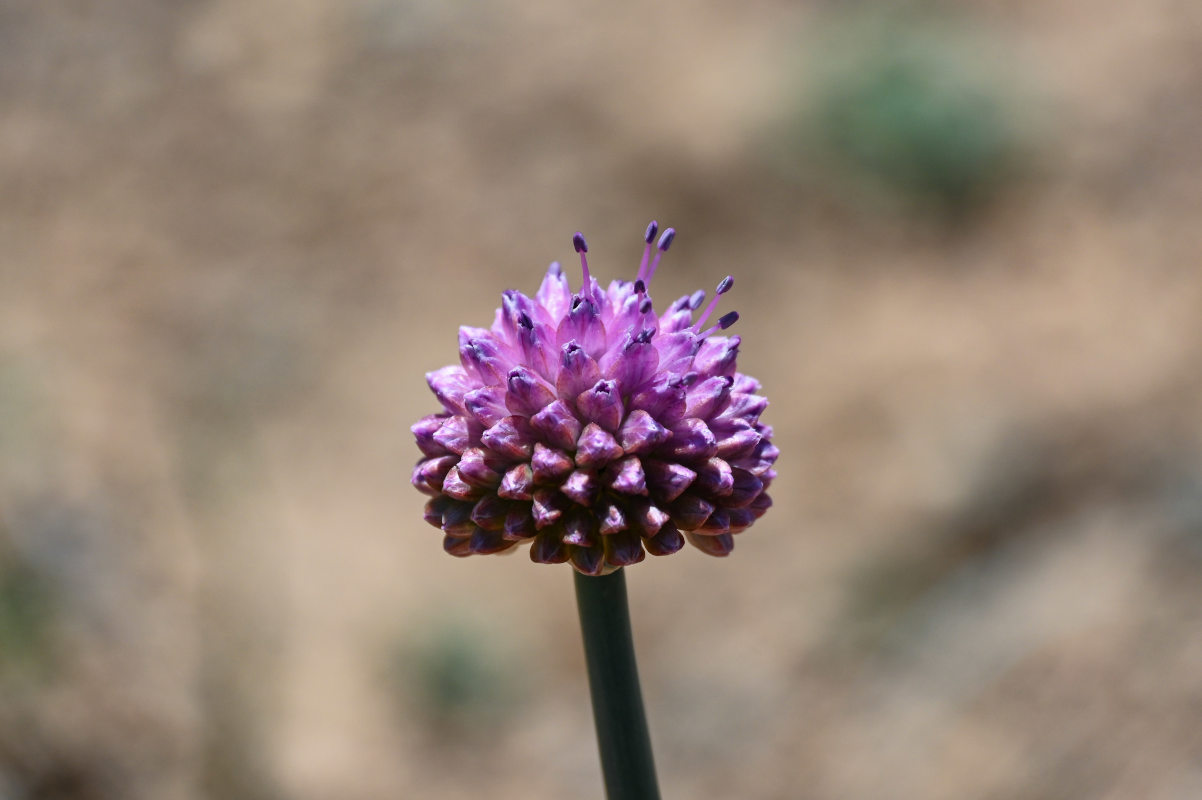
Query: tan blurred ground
x=234 y=235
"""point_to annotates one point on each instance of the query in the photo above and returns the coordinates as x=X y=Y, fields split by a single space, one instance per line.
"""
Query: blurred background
x=234 y=236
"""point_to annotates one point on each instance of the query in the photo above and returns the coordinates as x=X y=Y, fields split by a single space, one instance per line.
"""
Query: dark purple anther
x=665 y=241
x=725 y=285
x=646 y=305
x=697 y=299
x=579 y=243
x=652 y=229
x=726 y=320
x=640 y=287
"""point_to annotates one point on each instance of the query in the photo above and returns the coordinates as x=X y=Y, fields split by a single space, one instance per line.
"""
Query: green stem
x=613 y=678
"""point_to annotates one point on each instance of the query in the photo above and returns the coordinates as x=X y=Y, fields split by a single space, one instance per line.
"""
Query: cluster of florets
x=595 y=429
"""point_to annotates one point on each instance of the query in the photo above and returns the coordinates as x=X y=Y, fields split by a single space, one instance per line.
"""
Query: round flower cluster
x=594 y=428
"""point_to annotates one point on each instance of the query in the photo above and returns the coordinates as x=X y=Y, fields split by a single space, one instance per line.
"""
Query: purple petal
x=580 y=487
x=760 y=505
x=424 y=430
x=554 y=294
x=743 y=406
x=510 y=438
x=623 y=549
x=628 y=476
x=550 y=465
x=429 y=474
x=589 y=560
x=596 y=447
x=633 y=365
x=745 y=488
x=490 y=512
x=663 y=399
x=613 y=521
x=454 y=485
x=485 y=542
x=453 y=435
x=739 y=443
x=578 y=529
x=519 y=524
x=691 y=439
x=649 y=519
x=664 y=543
x=602 y=404
x=558 y=424
x=457 y=519
x=709 y=395
x=640 y=432
x=718 y=522
x=717 y=355
x=449 y=385
x=668 y=480
x=518 y=483
x=577 y=370
x=459 y=546
x=690 y=512
x=482 y=357
x=716 y=477
x=547 y=507
x=479 y=468
x=527 y=393
x=719 y=545
x=745 y=384
x=486 y=404
x=548 y=548
x=583 y=323
x=435 y=509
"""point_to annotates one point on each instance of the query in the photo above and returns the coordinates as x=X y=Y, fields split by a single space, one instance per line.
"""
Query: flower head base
x=594 y=428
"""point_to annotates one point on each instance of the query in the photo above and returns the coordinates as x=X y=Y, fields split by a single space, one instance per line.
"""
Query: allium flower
x=595 y=428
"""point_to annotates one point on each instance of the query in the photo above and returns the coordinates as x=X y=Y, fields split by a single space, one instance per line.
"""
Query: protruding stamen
x=555 y=268
x=665 y=241
x=697 y=299
x=640 y=287
x=582 y=248
x=724 y=322
x=648 y=237
x=722 y=289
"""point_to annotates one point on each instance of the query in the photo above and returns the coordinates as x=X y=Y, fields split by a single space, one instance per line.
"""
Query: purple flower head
x=595 y=428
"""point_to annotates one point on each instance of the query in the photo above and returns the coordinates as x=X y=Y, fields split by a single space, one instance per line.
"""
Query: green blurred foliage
x=26 y=613
x=911 y=104
x=457 y=676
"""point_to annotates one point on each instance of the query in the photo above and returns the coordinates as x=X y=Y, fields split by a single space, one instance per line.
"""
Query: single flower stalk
x=594 y=428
